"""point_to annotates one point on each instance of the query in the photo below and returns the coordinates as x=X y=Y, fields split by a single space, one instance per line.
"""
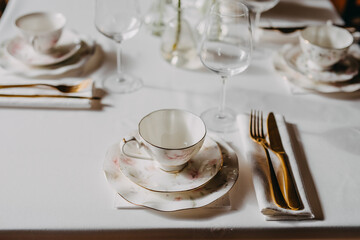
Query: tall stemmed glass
x=257 y=7
x=226 y=50
x=119 y=20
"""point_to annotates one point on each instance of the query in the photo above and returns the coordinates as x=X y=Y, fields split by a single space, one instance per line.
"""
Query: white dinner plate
x=69 y=43
x=199 y=170
x=173 y=201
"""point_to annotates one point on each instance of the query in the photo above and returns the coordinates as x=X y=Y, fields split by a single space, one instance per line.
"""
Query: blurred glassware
x=119 y=20
x=226 y=50
x=178 y=44
x=157 y=16
x=257 y=7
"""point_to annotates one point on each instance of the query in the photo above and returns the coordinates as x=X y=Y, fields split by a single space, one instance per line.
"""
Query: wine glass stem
x=223 y=96
x=118 y=61
x=256 y=26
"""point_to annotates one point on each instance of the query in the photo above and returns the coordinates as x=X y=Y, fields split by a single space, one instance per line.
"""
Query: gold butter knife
x=288 y=187
x=48 y=96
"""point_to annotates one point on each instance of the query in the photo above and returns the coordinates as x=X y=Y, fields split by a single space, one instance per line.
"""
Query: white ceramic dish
x=324 y=45
x=199 y=170
x=299 y=80
x=68 y=45
x=344 y=70
x=41 y=30
x=133 y=193
x=171 y=137
x=88 y=53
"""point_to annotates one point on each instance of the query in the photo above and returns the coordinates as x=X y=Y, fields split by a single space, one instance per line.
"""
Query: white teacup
x=325 y=45
x=170 y=136
x=41 y=30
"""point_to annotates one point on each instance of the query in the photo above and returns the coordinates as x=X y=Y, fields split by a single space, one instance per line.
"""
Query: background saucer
x=300 y=82
x=216 y=188
x=68 y=45
x=88 y=57
x=200 y=169
x=345 y=70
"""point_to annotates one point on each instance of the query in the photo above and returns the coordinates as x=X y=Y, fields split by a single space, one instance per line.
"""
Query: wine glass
x=257 y=7
x=119 y=20
x=226 y=50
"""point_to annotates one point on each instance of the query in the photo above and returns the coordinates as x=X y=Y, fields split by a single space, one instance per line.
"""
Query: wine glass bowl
x=226 y=50
x=119 y=20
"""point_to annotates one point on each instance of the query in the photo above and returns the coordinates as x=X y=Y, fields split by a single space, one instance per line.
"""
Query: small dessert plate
x=200 y=169
x=68 y=45
x=342 y=71
x=217 y=187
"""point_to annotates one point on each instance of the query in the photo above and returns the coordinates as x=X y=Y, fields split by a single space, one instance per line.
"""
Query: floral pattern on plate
x=344 y=70
x=173 y=201
x=68 y=45
x=294 y=77
x=89 y=56
x=199 y=170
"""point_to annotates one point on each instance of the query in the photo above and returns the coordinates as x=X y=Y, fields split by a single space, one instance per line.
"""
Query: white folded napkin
x=44 y=102
x=254 y=153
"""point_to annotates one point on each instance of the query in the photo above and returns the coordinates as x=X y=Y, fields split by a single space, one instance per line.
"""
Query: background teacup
x=42 y=30
x=170 y=136
x=325 y=45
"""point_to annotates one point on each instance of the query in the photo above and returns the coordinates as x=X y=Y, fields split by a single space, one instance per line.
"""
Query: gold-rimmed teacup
x=41 y=30
x=170 y=137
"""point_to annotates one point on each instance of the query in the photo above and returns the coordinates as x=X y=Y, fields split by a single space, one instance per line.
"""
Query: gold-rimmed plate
x=199 y=170
x=217 y=187
x=68 y=45
x=343 y=71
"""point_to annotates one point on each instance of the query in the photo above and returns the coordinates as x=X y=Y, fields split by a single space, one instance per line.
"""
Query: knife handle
x=275 y=190
x=290 y=192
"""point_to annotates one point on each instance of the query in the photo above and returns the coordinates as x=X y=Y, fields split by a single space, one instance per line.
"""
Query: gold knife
x=48 y=96
x=287 y=183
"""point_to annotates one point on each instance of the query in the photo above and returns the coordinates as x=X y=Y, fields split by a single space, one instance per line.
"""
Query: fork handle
x=275 y=190
x=290 y=191
x=21 y=85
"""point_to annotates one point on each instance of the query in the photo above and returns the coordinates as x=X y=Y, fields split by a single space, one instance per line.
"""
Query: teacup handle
x=139 y=145
x=33 y=43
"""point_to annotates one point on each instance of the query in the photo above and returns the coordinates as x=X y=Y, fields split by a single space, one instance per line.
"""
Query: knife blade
x=288 y=187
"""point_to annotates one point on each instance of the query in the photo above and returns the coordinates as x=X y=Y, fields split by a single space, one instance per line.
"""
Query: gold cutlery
x=287 y=30
x=287 y=183
x=257 y=135
x=62 y=88
x=49 y=96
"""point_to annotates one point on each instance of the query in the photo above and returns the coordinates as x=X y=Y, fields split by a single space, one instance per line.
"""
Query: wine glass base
x=220 y=122
x=122 y=84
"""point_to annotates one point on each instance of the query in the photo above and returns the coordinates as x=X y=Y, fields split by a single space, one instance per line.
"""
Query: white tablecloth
x=51 y=175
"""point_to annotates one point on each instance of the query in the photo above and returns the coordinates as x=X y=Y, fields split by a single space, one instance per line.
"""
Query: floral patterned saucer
x=199 y=170
x=217 y=187
x=68 y=45
x=343 y=71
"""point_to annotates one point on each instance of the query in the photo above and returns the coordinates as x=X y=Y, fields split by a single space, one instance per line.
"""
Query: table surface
x=51 y=175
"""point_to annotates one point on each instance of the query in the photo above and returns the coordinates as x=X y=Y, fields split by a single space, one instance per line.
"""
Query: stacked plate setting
x=70 y=55
x=208 y=176
x=341 y=77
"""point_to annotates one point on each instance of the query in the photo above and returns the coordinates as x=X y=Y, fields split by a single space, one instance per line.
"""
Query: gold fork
x=62 y=88
x=257 y=135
